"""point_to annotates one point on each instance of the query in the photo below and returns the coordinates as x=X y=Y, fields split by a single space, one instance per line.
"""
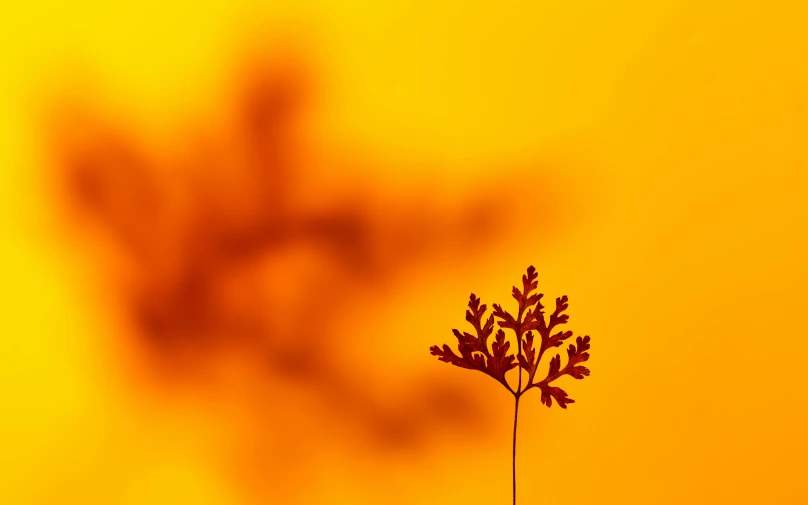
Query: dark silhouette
x=496 y=361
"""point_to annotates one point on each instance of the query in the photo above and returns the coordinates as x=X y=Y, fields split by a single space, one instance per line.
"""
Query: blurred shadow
x=241 y=254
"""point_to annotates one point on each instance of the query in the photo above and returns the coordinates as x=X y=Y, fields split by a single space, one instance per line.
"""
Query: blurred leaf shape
x=229 y=255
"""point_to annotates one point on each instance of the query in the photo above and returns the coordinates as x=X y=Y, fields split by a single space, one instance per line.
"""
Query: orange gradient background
x=232 y=230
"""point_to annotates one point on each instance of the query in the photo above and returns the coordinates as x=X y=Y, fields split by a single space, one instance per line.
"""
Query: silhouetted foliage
x=496 y=362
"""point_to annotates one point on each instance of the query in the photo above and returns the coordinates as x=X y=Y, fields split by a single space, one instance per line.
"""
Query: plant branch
x=474 y=352
x=513 y=458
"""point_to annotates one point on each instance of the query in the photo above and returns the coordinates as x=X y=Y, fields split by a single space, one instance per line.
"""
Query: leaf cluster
x=534 y=334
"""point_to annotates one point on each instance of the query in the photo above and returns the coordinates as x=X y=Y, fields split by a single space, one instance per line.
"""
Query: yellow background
x=674 y=134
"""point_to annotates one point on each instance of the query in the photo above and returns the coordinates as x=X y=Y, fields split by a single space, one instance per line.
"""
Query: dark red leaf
x=529 y=282
x=556 y=317
x=500 y=361
x=474 y=352
x=555 y=365
x=507 y=320
x=583 y=343
x=533 y=299
x=557 y=394
x=529 y=357
x=557 y=339
x=446 y=354
x=518 y=295
x=579 y=372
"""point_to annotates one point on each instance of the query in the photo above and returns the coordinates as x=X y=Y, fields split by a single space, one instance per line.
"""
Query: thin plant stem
x=513 y=459
x=517 y=395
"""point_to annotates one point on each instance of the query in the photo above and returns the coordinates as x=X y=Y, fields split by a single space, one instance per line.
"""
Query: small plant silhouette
x=496 y=362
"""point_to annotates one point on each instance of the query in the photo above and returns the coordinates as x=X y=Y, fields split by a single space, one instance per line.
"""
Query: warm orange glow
x=230 y=233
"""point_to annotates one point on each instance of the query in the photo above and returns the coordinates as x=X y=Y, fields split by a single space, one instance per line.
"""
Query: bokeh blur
x=232 y=230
